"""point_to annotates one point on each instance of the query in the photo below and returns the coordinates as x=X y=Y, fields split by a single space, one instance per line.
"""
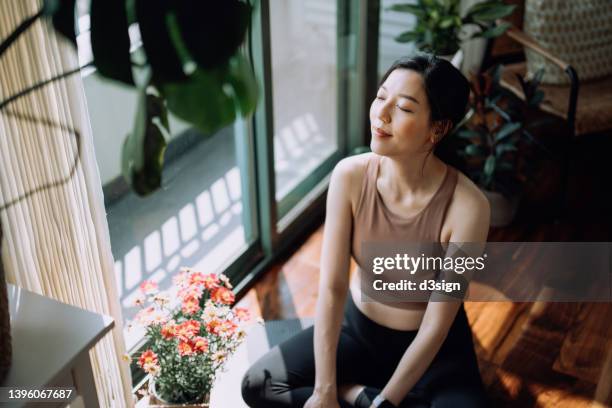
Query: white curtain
x=56 y=241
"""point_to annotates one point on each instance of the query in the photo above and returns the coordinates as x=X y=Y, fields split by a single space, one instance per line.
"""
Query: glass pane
x=304 y=78
x=392 y=24
x=198 y=219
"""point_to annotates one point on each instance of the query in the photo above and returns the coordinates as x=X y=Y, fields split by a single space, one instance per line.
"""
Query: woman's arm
x=473 y=214
x=334 y=276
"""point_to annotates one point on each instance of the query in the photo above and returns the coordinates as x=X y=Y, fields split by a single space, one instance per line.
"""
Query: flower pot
x=456 y=59
x=156 y=401
x=5 y=322
x=502 y=209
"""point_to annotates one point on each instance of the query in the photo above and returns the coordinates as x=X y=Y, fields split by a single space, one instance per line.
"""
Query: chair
x=586 y=108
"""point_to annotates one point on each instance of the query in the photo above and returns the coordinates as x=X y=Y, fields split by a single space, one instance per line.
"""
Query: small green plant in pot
x=494 y=130
x=439 y=23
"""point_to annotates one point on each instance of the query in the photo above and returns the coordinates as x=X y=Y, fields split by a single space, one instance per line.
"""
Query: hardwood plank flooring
x=530 y=354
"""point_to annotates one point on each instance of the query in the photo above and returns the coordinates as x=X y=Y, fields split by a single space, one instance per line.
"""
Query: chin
x=381 y=149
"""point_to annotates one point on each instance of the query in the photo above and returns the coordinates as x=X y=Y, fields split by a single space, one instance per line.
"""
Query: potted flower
x=494 y=128
x=440 y=26
x=191 y=331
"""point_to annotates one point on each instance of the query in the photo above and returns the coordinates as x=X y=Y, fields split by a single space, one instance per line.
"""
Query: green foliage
x=439 y=23
x=192 y=58
x=493 y=130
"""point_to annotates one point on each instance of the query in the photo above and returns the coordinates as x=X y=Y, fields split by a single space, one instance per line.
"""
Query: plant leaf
x=408 y=36
x=143 y=150
x=489 y=166
x=62 y=14
x=166 y=65
x=507 y=130
x=110 y=43
x=468 y=134
x=493 y=32
x=244 y=84
x=201 y=100
x=493 y=12
x=506 y=147
x=473 y=150
x=212 y=30
x=447 y=22
x=408 y=8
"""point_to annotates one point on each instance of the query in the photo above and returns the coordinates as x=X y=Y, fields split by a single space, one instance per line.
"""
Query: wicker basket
x=6 y=352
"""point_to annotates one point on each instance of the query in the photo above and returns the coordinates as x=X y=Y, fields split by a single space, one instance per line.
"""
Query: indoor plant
x=439 y=23
x=190 y=330
x=185 y=59
x=493 y=129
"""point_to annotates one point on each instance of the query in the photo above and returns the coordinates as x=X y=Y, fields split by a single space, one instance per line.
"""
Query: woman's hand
x=319 y=400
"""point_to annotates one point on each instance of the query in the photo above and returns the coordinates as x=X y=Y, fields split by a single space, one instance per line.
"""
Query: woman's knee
x=254 y=384
x=266 y=382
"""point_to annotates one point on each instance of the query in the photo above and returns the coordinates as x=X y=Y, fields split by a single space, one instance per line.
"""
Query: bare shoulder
x=349 y=173
x=468 y=205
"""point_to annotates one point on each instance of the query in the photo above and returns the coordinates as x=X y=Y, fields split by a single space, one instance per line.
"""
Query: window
x=223 y=194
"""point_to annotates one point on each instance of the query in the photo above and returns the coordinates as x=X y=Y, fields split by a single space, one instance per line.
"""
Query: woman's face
x=399 y=116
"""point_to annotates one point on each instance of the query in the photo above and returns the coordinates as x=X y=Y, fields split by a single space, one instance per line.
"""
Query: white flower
x=152 y=368
x=161 y=298
x=225 y=281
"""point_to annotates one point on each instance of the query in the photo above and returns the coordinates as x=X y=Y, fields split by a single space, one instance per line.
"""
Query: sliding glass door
x=304 y=51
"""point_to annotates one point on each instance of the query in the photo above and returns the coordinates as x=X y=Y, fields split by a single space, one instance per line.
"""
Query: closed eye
x=405 y=110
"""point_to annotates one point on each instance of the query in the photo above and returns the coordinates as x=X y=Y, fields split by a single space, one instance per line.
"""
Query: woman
x=397 y=354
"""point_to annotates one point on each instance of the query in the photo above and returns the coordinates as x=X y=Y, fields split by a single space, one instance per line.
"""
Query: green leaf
x=492 y=13
x=489 y=166
x=447 y=22
x=166 y=65
x=244 y=84
x=110 y=43
x=506 y=147
x=143 y=150
x=473 y=150
x=507 y=130
x=408 y=36
x=493 y=32
x=537 y=98
x=201 y=100
x=483 y=6
x=468 y=134
x=408 y=8
x=62 y=14
x=212 y=30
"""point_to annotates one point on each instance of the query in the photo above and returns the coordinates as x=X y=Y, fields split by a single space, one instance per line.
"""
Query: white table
x=51 y=342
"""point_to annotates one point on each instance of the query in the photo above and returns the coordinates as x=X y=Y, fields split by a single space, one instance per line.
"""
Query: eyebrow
x=412 y=98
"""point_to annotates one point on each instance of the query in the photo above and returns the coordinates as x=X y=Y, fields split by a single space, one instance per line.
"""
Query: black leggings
x=368 y=354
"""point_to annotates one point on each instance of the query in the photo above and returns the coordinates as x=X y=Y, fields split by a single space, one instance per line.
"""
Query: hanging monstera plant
x=188 y=63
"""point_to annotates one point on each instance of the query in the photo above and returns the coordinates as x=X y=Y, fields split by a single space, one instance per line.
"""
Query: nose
x=382 y=115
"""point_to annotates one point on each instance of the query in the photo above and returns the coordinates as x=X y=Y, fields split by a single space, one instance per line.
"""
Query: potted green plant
x=191 y=331
x=440 y=26
x=186 y=60
x=494 y=129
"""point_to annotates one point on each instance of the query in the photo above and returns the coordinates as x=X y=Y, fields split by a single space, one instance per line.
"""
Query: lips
x=379 y=132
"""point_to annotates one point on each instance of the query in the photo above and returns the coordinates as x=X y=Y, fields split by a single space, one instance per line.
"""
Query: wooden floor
x=530 y=354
